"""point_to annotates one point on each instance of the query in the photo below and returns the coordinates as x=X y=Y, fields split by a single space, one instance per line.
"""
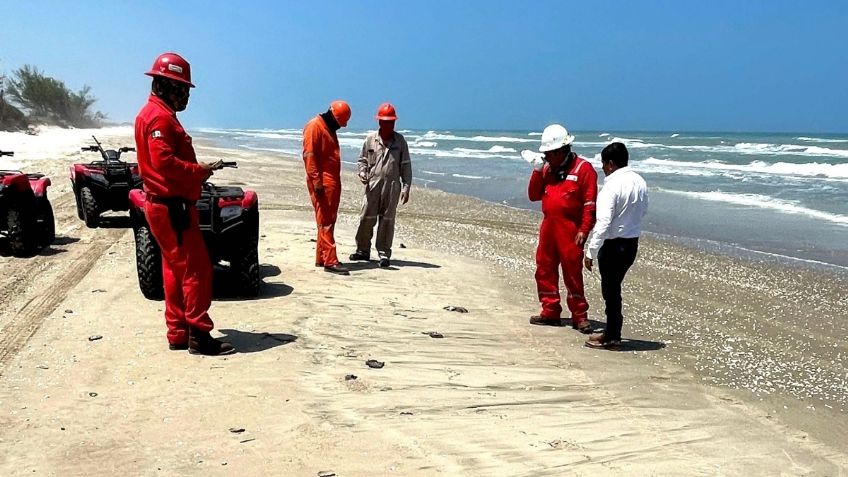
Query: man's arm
x=160 y=135
x=310 y=149
x=605 y=211
x=589 y=181
x=536 y=188
x=405 y=172
x=362 y=165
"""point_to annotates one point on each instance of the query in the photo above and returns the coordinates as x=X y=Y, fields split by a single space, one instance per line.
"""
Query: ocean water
x=773 y=195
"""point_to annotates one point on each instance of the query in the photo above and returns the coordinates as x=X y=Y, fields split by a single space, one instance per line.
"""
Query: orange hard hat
x=386 y=112
x=171 y=66
x=341 y=111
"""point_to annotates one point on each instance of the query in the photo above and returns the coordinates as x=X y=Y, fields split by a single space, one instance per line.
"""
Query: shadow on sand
x=250 y=342
x=224 y=288
x=396 y=265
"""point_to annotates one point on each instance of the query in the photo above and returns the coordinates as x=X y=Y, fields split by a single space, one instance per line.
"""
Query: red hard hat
x=172 y=66
x=341 y=111
x=386 y=112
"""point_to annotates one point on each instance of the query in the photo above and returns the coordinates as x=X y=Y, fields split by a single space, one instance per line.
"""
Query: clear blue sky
x=655 y=65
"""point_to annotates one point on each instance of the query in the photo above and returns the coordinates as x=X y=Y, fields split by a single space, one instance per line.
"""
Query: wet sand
x=734 y=367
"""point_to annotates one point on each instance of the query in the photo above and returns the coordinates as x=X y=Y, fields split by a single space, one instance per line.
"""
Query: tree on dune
x=11 y=118
x=48 y=100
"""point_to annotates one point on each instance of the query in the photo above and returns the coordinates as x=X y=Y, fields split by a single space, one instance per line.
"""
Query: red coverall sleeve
x=536 y=188
x=160 y=136
x=590 y=196
x=312 y=147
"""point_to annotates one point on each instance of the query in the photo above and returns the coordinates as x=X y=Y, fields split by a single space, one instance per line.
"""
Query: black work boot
x=359 y=256
x=338 y=269
x=201 y=342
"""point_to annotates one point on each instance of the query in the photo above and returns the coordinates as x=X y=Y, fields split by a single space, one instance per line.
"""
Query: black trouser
x=614 y=259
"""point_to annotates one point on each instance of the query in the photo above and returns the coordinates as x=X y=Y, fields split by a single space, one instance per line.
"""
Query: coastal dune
x=734 y=366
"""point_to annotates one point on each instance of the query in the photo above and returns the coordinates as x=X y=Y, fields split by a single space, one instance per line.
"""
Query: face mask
x=387 y=128
x=173 y=93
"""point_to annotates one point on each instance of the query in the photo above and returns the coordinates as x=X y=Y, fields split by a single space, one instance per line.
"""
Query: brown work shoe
x=338 y=269
x=584 y=327
x=543 y=321
x=201 y=342
x=599 y=342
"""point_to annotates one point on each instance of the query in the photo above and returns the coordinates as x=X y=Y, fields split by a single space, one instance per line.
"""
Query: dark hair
x=616 y=153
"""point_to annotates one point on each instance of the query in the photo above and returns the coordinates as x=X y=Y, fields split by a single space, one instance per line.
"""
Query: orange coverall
x=322 y=159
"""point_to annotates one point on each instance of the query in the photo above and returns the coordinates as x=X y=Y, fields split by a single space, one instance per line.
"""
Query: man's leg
x=172 y=272
x=614 y=260
x=386 y=225
x=572 y=274
x=197 y=278
x=319 y=253
x=367 y=219
x=326 y=215
x=547 y=272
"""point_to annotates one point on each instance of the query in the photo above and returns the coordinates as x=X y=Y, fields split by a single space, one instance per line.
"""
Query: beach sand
x=734 y=367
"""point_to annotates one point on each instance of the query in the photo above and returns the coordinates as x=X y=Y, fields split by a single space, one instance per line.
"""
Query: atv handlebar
x=127 y=149
x=7 y=153
x=91 y=148
x=222 y=164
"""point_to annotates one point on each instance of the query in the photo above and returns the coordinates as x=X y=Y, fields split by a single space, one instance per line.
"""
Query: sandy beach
x=733 y=366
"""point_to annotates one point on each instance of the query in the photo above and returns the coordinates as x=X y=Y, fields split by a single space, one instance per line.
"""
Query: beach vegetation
x=42 y=99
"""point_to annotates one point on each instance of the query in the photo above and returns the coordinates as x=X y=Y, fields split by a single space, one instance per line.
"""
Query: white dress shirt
x=622 y=202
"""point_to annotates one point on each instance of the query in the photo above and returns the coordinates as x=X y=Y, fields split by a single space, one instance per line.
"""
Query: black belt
x=178 y=213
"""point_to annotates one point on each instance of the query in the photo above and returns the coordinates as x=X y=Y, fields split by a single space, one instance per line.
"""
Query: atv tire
x=245 y=270
x=148 y=262
x=20 y=227
x=90 y=212
x=46 y=223
x=79 y=207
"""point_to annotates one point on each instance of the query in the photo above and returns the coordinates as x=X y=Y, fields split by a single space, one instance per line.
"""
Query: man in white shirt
x=622 y=202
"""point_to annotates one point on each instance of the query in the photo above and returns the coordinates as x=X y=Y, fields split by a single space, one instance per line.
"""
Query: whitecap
x=763 y=202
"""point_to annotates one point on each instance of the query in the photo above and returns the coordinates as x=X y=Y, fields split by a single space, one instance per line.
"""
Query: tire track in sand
x=28 y=320
x=23 y=278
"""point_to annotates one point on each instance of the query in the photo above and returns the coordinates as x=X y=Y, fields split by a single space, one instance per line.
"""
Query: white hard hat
x=555 y=137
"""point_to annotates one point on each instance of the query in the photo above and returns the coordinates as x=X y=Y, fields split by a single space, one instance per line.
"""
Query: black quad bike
x=26 y=216
x=229 y=220
x=104 y=185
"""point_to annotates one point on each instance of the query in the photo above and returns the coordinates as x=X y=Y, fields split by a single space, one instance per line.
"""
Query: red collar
x=163 y=105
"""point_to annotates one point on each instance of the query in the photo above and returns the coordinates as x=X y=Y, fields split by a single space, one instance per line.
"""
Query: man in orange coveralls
x=172 y=183
x=323 y=162
x=567 y=185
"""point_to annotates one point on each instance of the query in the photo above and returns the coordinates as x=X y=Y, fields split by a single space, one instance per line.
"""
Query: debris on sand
x=326 y=473
x=350 y=377
x=236 y=430
x=373 y=363
x=433 y=334
x=402 y=245
x=457 y=309
x=95 y=338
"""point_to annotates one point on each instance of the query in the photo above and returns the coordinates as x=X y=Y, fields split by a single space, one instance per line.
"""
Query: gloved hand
x=534 y=158
x=363 y=177
x=538 y=164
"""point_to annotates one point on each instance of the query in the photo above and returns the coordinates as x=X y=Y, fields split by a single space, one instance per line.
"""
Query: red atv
x=26 y=216
x=229 y=220
x=101 y=186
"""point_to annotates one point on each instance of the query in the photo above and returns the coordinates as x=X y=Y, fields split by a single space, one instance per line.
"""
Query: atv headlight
x=230 y=212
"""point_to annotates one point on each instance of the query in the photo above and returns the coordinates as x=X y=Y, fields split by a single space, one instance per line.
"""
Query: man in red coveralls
x=323 y=162
x=172 y=183
x=567 y=185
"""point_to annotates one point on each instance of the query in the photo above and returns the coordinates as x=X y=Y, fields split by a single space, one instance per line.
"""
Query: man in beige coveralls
x=386 y=170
